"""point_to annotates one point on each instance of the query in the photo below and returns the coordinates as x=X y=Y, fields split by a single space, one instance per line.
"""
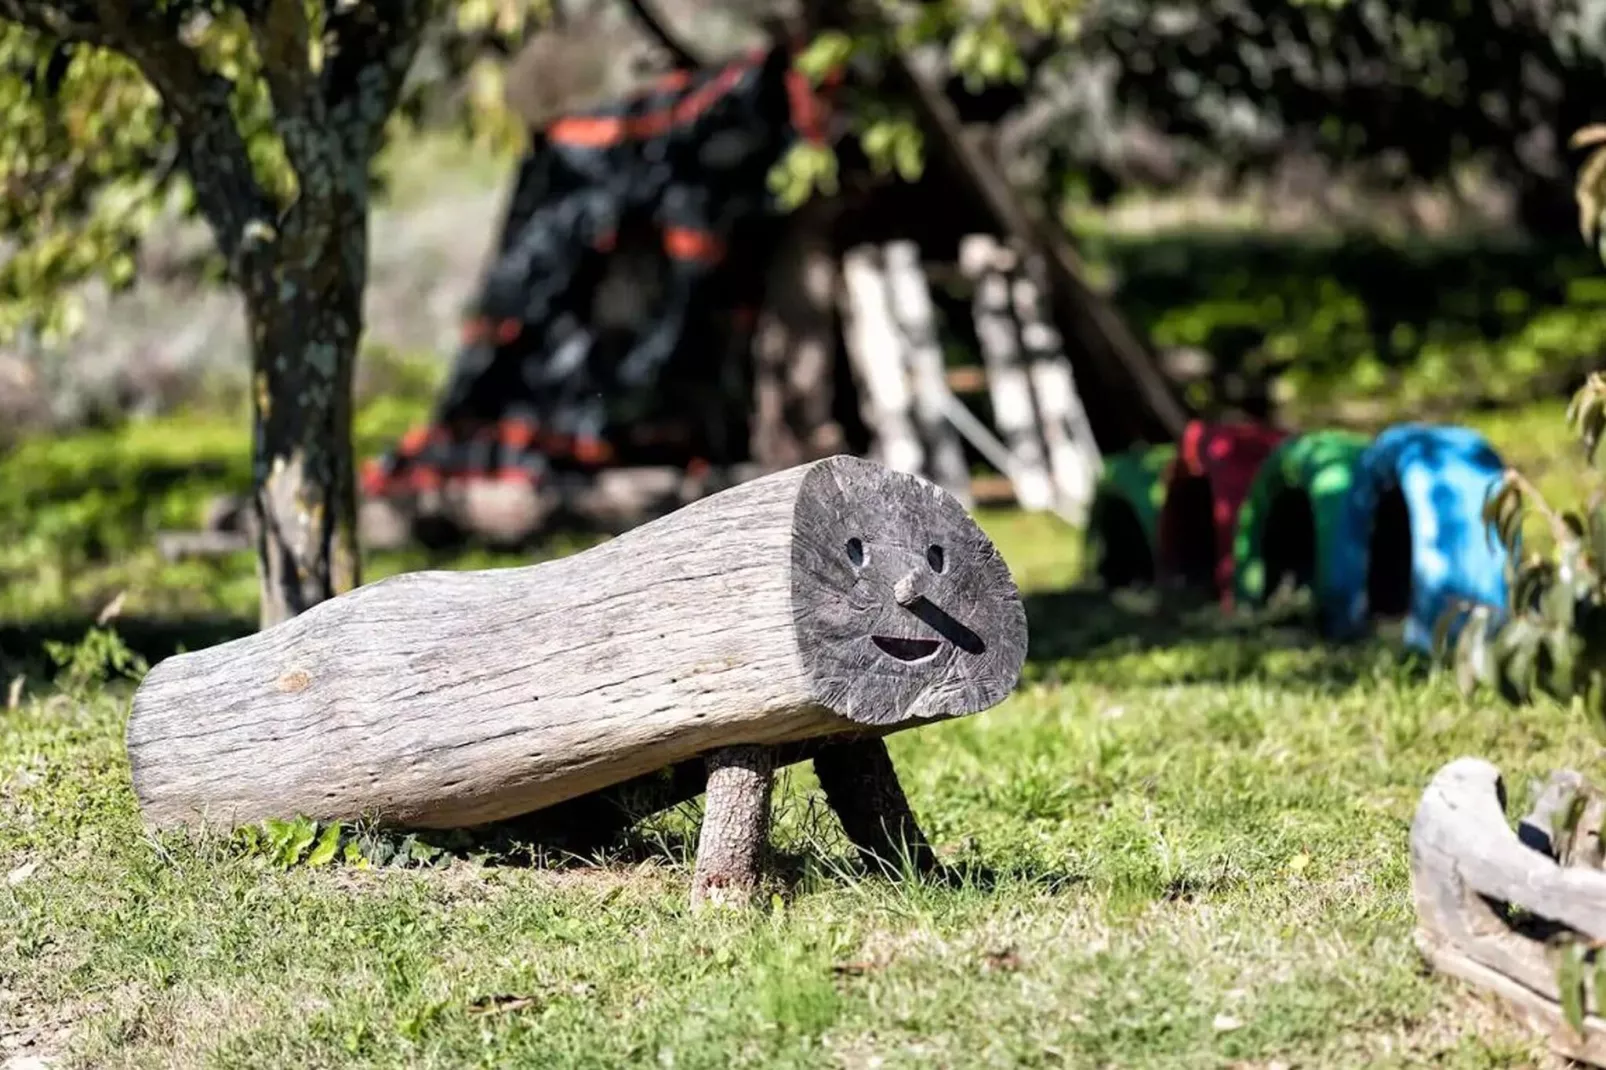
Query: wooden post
x=794 y=348
x=987 y=265
x=876 y=350
x=826 y=600
x=916 y=317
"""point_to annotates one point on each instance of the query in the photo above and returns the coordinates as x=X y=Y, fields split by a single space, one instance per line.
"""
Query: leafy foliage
x=90 y=158
x=1387 y=92
x=303 y=841
x=85 y=666
x=1553 y=639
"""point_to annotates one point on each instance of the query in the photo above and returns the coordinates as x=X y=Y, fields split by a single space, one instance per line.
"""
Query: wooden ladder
x=1041 y=446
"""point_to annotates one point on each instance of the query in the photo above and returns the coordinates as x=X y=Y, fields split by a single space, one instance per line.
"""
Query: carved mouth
x=905 y=649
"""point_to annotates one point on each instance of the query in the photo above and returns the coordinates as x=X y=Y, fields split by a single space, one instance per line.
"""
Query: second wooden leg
x=862 y=787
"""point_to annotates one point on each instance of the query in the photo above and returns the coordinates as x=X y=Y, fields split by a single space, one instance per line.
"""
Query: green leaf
x=323 y=852
x=1570 y=982
x=302 y=832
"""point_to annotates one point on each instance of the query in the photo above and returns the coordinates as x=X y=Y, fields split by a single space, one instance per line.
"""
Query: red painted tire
x=1208 y=482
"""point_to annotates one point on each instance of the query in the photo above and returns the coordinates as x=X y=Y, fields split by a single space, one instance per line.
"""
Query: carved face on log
x=903 y=608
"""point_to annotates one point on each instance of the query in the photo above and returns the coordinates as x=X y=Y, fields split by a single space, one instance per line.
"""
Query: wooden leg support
x=862 y=787
x=736 y=825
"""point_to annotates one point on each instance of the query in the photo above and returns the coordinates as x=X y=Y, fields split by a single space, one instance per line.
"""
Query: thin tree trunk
x=794 y=348
x=305 y=326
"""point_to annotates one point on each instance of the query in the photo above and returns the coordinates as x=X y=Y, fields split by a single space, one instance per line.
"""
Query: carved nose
x=907 y=590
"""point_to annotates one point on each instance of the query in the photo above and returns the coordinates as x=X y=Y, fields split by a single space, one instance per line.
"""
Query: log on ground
x=1468 y=868
x=822 y=600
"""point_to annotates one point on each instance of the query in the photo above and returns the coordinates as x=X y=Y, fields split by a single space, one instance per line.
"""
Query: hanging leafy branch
x=1553 y=638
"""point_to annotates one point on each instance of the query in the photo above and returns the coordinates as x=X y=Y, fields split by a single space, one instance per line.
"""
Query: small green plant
x=1553 y=639
x=87 y=665
x=303 y=841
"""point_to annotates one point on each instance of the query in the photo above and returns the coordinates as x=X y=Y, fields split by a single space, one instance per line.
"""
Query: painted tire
x=1207 y=484
x=1126 y=506
x=1442 y=476
x=1291 y=519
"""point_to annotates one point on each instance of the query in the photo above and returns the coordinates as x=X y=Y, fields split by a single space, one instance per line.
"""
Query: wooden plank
x=916 y=317
x=1072 y=453
x=801 y=605
x=986 y=263
x=992 y=490
x=879 y=359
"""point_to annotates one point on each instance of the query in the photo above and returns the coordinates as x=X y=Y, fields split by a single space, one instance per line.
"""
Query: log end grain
x=903 y=608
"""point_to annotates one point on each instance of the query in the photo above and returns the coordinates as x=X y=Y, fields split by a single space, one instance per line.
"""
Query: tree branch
x=283 y=42
x=67 y=21
x=195 y=101
x=655 y=26
x=369 y=55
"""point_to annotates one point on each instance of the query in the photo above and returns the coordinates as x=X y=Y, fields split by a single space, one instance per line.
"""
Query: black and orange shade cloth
x=673 y=178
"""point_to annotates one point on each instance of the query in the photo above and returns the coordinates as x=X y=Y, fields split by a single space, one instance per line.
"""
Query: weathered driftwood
x=1468 y=867
x=833 y=599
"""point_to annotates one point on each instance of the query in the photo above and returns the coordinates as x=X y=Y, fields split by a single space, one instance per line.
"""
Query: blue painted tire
x=1443 y=476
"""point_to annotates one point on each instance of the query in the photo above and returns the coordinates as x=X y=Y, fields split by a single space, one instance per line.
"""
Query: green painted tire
x=1274 y=526
x=1126 y=506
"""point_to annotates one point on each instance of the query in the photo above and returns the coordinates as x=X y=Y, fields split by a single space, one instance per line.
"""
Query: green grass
x=1182 y=843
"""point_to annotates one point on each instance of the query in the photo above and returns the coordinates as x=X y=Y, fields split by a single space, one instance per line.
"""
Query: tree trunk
x=305 y=322
x=794 y=348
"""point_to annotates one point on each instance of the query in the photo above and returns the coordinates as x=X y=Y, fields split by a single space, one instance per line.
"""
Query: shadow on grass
x=1081 y=630
x=23 y=644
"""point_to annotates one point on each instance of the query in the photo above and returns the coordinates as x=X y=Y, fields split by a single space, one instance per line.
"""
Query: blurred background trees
x=1362 y=140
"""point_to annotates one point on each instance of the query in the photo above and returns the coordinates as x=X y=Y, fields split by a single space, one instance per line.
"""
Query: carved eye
x=855 y=550
x=936 y=558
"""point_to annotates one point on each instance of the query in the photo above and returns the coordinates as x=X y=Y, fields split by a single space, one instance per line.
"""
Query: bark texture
x=299 y=256
x=736 y=827
x=861 y=784
x=795 y=346
x=1467 y=866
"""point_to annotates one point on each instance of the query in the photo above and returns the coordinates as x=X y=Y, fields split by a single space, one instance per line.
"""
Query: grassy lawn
x=1181 y=843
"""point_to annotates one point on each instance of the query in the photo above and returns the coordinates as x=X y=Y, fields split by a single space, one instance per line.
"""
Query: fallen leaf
x=500 y=1004
x=21 y=873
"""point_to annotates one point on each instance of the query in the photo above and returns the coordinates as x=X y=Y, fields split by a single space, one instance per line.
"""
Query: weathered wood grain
x=762 y=615
x=1466 y=865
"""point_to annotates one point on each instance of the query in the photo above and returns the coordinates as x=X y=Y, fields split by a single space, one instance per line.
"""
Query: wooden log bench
x=1469 y=869
x=807 y=613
